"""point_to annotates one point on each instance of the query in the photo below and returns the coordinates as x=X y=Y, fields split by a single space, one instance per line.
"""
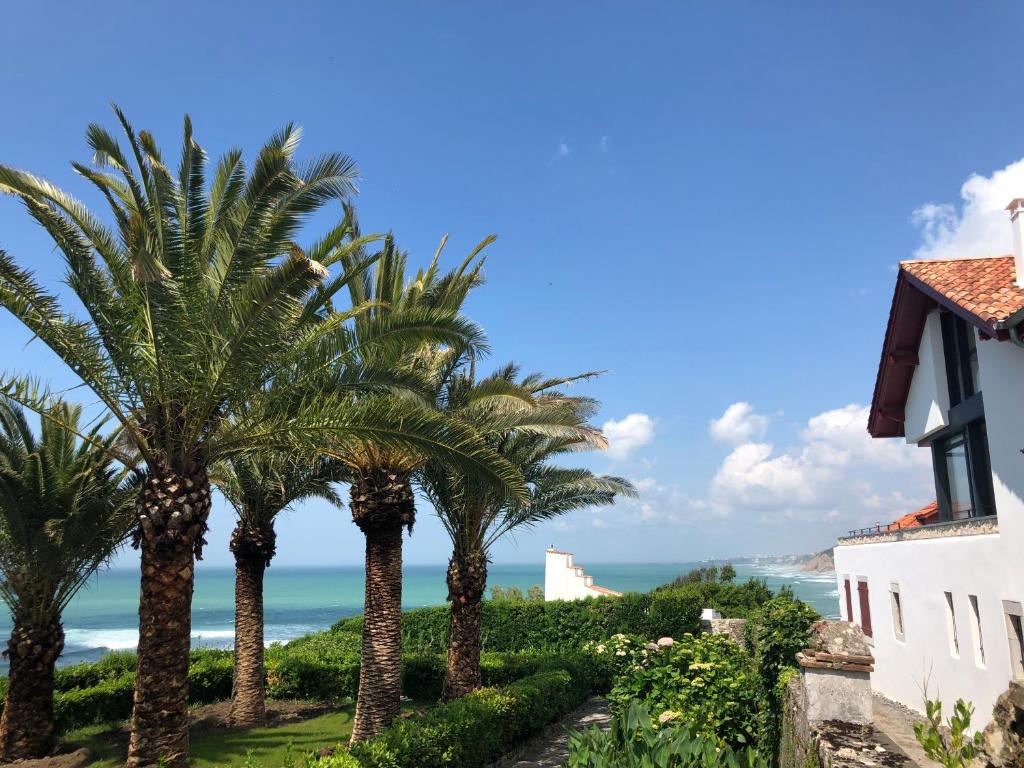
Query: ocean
x=104 y=615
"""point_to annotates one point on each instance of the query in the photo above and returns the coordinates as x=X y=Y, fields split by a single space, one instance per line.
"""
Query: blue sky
x=706 y=199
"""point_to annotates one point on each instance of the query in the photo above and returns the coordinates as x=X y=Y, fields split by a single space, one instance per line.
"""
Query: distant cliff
x=821 y=562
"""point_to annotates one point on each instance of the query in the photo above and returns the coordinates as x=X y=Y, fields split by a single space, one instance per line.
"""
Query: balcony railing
x=967 y=526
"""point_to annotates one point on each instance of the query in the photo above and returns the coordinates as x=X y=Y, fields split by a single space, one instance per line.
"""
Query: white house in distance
x=939 y=592
x=565 y=581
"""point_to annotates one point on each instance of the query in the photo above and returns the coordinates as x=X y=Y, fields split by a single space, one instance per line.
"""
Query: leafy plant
x=706 y=678
x=949 y=744
x=636 y=741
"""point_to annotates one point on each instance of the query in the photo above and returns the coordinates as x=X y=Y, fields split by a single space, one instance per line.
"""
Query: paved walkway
x=897 y=723
x=550 y=749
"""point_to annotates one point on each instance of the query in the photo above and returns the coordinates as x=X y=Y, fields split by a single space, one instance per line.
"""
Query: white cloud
x=835 y=467
x=739 y=424
x=562 y=152
x=979 y=226
x=605 y=144
x=628 y=434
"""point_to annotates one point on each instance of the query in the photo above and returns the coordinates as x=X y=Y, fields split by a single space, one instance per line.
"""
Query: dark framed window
x=960 y=349
x=865 y=607
x=963 y=476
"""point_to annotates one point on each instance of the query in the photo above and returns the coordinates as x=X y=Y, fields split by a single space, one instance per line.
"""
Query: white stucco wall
x=1001 y=375
x=987 y=566
x=564 y=580
x=990 y=566
x=928 y=400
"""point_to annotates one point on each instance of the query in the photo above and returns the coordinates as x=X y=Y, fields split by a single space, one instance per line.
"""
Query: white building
x=939 y=592
x=565 y=581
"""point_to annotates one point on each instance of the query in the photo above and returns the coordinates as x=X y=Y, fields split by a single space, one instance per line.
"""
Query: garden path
x=551 y=748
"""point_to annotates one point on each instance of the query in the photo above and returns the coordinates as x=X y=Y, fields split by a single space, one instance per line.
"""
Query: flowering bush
x=707 y=680
x=619 y=654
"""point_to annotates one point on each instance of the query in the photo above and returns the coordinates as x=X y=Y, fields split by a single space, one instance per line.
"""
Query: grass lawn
x=225 y=748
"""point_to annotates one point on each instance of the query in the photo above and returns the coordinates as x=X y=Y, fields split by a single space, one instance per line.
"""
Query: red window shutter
x=865 y=607
x=849 y=600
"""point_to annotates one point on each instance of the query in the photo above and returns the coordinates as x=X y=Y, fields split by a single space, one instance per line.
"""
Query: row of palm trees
x=225 y=353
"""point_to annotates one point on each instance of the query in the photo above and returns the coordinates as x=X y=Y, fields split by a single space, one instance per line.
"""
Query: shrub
x=476 y=729
x=110 y=700
x=707 y=678
x=210 y=674
x=510 y=626
x=781 y=628
x=635 y=741
x=88 y=674
x=949 y=744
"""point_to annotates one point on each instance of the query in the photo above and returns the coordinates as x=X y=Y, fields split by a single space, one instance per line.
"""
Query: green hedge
x=510 y=626
x=477 y=729
x=322 y=667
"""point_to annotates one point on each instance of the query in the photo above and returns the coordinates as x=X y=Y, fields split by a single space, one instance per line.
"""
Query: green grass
x=222 y=748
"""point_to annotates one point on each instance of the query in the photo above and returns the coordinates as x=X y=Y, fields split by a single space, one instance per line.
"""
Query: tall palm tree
x=260 y=487
x=530 y=423
x=64 y=509
x=381 y=494
x=196 y=301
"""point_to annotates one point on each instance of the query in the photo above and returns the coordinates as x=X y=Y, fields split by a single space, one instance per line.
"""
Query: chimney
x=1016 y=209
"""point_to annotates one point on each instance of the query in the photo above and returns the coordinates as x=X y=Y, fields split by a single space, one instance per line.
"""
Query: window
x=954 y=639
x=976 y=634
x=1015 y=635
x=865 y=607
x=849 y=599
x=960 y=349
x=963 y=475
x=897 y=611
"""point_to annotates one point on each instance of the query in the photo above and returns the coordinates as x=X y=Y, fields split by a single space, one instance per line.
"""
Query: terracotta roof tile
x=986 y=288
x=924 y=516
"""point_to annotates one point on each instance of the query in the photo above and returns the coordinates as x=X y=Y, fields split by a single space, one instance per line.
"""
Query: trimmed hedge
x=476 y=729
x=510 y=626
x=323 y=667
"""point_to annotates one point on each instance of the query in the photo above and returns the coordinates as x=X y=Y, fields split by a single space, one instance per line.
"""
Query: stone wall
x=830 y=743
x=1004 y=736
x=827 y=709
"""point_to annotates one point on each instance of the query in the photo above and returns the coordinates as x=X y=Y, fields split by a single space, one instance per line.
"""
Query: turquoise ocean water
x=104 y=616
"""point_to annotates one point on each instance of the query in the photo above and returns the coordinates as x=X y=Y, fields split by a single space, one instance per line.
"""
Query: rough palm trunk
x=467 y=579
x=382 y=504
x=27 y=729
x=173 y=508
x=253 y=547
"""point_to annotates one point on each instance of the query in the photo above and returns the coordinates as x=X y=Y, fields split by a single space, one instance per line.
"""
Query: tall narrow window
x=849 y=599
x=865 y=607
x=963 y=474
x=1015 y=635
x=961 y=353
x=976 y=633
x=897 y=611
x=959 y=477
x=954 y=639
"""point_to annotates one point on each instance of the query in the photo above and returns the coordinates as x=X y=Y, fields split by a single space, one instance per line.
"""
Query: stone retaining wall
x=830 y=743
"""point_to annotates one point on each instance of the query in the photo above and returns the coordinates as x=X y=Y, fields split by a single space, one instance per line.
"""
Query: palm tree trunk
x=382 y=504
x=27 y=729
x=253 y=547
x=467 y=580
x=173 y=508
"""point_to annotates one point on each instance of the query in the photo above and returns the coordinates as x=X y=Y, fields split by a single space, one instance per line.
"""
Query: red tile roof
x=924 y=516
x=985 y=288
x=983 y=291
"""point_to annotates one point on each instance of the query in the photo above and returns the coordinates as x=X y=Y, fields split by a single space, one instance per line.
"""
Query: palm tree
x=196 y=301
x=381 y=494
x=260 y=487
x=529 y=422
x=64 y=509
